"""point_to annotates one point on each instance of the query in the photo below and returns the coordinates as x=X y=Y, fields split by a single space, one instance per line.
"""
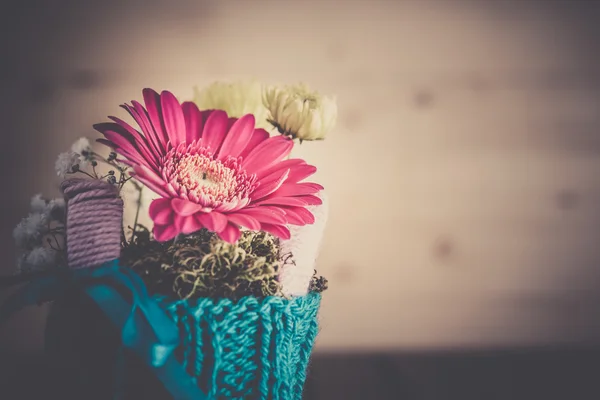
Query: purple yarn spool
x=94 y=222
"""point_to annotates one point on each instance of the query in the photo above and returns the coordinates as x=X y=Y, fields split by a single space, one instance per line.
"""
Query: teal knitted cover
x=248 y=349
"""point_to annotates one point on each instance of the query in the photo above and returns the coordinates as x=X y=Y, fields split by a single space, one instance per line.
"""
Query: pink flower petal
x=164 y=217
x=245 y=221
x=293 y=218
x=107 y=143
x=187 y=224
x=205 y=114
x=173 y=118
x=185 y=207
x=297 y=173
x=150 y=179
x=215 y=130
x=140 y=142
x=277 y=230
x=162 y=233
x=310 y=200
x=193 y=121
x=234 y=204
x=122 y=144
x=158 y=206
x=213 y=221
x=152 y=101
x=297 y=189
x=266 y=187
x=285 y=164
x=306 y=216
x=274 y=209
x=267 y=153
x=118 y=135
x=258 y=136
x=238 y=137
x=281 y=201
x=230 y=233
x=264 y=215
x=148 y=129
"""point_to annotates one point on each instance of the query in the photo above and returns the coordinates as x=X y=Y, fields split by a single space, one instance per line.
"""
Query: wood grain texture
x=463 y=175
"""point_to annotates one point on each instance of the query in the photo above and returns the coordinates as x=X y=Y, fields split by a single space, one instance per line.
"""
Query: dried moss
x=318 y=283
x=202 y=265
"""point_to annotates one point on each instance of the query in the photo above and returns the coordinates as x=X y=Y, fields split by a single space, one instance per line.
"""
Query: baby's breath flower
x=57 y=204
x=38 y=204
x=38 y=259
x=30 y=229
x=298 y=112
x=81 y=146
x=67 y=163
x=235 y=98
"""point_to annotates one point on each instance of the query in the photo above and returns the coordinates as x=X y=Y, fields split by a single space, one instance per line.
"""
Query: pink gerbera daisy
x=211 y=171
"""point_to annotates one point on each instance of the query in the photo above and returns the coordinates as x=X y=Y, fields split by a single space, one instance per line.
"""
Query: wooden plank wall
x=463 y=173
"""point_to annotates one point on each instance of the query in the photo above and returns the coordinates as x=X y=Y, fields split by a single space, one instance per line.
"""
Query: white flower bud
x=300 y=113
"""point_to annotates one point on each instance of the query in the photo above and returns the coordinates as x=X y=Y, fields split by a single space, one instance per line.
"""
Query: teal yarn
x=249 y=349
x=254 y=348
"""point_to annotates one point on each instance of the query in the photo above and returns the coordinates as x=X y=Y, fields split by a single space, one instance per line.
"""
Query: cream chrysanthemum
x=235 y=98
x=298 y=112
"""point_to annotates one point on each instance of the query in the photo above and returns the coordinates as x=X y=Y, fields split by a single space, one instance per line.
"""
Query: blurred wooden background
x=463 y=174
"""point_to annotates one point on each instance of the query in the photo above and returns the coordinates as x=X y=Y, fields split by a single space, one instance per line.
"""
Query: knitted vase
x=248 y=349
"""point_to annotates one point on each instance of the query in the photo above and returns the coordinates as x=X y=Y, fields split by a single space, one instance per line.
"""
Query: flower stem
x=90 y=175
x=137 y=211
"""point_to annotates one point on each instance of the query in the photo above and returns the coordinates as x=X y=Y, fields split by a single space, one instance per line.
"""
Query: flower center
x=199 y=173
x=195 y=175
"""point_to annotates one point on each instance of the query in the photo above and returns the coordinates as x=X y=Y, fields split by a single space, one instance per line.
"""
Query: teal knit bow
x=145 y=327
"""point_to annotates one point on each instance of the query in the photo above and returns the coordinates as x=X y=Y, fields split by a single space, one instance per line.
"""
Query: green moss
x=202 y=265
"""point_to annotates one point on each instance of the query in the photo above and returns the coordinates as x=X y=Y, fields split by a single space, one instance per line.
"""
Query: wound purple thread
x=94 y=222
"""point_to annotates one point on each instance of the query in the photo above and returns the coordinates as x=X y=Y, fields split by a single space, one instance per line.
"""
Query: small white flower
x=83 y=149
x=38 y=204
x=235 y=98
x=30 y=229
x=298 y=112
x=81 y=145
x=40 y=258
x=66 y=163
x=57 y=204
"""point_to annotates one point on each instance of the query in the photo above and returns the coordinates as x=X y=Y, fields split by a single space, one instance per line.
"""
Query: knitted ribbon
x=145 y=327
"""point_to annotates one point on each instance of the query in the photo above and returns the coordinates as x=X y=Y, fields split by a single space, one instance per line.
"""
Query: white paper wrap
x=304 y=245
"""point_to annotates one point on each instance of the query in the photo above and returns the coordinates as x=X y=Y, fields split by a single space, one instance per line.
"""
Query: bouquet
x=217 y=297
